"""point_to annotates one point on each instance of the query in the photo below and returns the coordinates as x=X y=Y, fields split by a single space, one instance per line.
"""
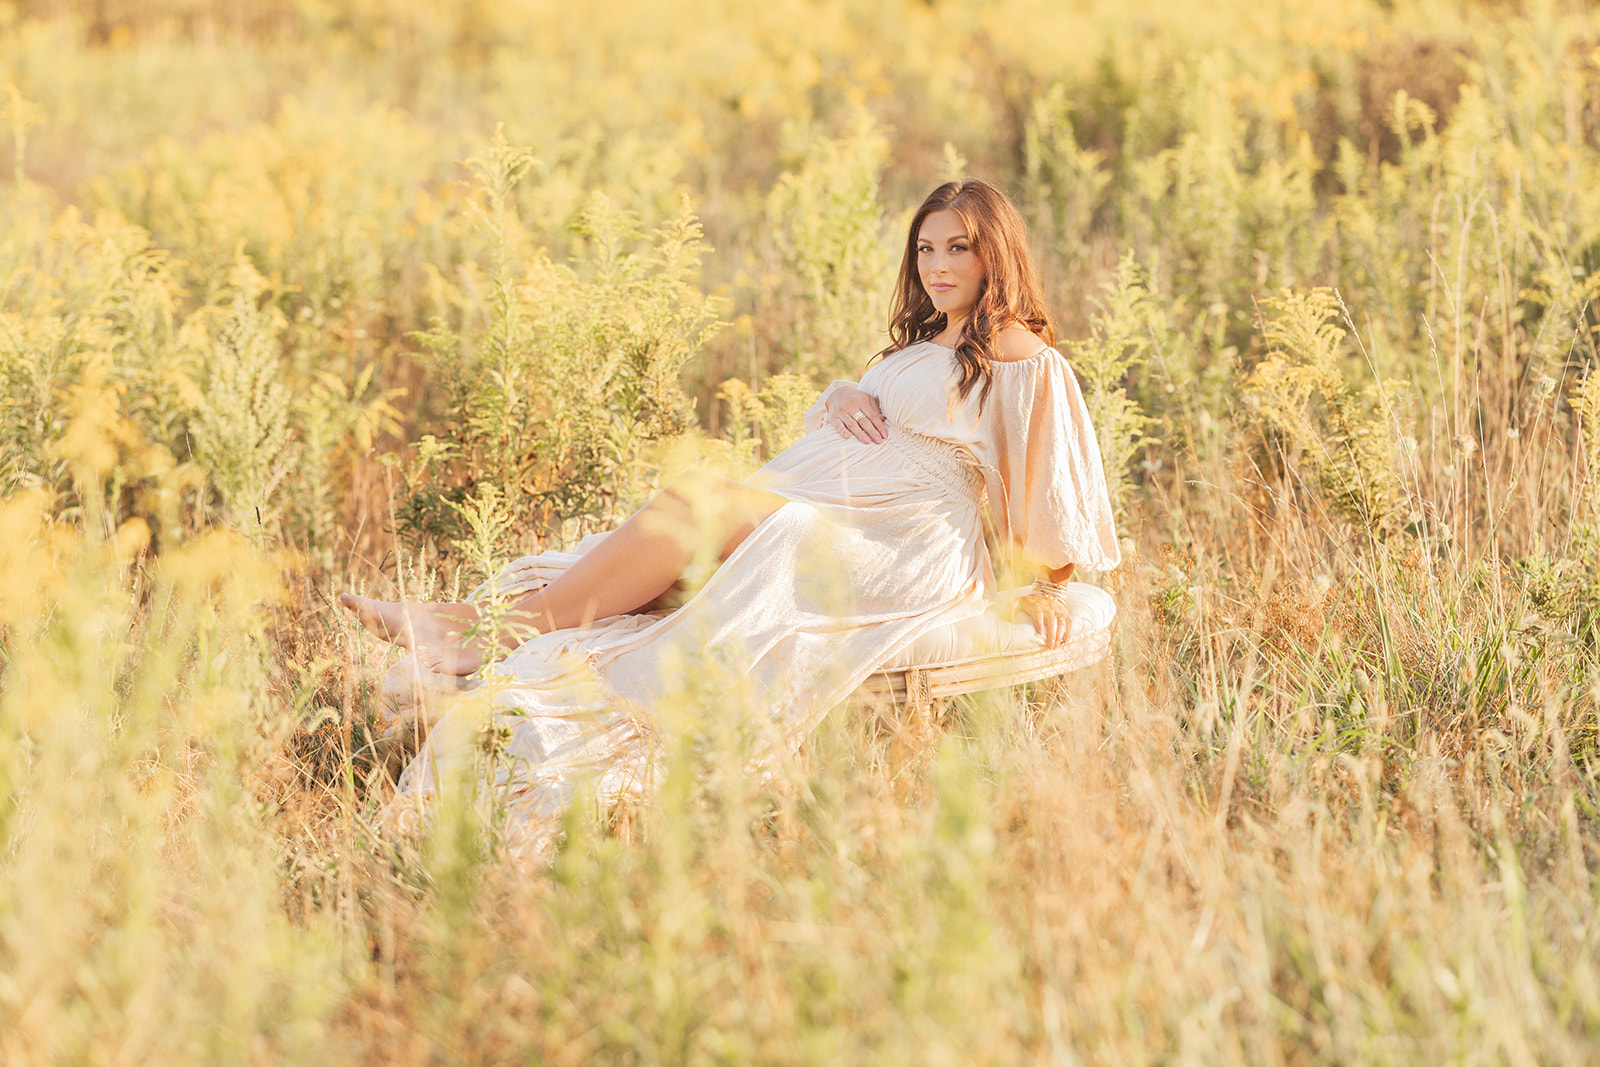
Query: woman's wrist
x=1051 y=583
x=1046 y=589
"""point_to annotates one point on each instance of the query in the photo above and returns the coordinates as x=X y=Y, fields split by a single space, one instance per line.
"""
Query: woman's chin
x=951 y=309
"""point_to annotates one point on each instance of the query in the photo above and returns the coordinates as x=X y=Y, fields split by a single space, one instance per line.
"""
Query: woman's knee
x=718 y=509
x=689 y=509
x=697 y=487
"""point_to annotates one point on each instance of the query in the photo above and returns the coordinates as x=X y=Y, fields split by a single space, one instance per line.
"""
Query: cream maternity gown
x=877 y=545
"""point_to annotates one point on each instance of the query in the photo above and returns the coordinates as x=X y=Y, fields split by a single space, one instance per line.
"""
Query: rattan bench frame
x=918 y=686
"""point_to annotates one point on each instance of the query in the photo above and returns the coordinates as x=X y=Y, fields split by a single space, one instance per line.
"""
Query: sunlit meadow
x=306 y=295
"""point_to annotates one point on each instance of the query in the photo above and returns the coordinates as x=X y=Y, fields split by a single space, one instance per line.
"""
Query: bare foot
x=413 y=626
x=462 y=659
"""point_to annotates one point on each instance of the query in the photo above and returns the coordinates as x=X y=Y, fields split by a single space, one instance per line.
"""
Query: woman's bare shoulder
x=1016 y=343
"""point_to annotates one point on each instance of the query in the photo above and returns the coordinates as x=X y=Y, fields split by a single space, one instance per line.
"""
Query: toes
x=433 y=659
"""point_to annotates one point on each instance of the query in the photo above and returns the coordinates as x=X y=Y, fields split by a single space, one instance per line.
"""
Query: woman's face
x=952 y=274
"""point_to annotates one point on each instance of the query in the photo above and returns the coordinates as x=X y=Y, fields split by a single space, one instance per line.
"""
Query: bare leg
x=634 y=565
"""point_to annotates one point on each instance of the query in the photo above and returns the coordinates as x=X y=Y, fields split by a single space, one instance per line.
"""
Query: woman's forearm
x=1059 y=574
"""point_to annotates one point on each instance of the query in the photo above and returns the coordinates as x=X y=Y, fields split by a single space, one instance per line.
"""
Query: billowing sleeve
x=815 y=413
x=1041 y=464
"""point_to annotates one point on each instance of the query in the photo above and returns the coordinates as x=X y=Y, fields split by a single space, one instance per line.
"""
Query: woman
x=845 y=548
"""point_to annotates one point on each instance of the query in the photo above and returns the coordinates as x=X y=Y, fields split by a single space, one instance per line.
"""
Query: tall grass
x=281 y=313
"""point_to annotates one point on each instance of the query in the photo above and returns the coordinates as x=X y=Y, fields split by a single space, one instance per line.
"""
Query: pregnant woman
x=845 y=548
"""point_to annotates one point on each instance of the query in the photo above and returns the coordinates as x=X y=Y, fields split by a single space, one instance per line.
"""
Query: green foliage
x=744 y=410
x=1065 y=185
x=90 y=364
x=488 y=523
x=1128 y=328
x=830 y=235
x=785 y=399
x=1564 y=590
x=1344 y=438
x=777 y=413
x=127 y=403
x=573 y=377
x=241 y=417
x=1227 y=219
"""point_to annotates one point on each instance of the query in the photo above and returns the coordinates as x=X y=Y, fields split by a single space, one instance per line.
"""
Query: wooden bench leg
x=919 y=700
x=914 y=725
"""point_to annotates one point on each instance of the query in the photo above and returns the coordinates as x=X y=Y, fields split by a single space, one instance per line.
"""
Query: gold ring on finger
x=858 y=415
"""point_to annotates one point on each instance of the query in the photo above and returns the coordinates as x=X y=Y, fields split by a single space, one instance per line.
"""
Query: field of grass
x=306 y=295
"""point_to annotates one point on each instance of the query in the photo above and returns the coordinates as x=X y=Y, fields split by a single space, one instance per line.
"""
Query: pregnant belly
x=908 y=468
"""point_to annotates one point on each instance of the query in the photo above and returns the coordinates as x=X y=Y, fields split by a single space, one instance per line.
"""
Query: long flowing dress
x=876 y=545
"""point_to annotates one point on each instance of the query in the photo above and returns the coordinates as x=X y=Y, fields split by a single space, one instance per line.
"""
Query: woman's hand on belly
x=855 y=413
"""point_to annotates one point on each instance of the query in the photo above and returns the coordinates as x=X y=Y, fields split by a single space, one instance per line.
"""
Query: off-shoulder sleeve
x=1047 y=488
x=817 y=410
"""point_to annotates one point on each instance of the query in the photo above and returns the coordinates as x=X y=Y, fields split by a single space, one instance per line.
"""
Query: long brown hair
x=1011 y=290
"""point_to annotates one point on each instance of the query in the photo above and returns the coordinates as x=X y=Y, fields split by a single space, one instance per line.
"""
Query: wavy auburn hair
x=1011 y=291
